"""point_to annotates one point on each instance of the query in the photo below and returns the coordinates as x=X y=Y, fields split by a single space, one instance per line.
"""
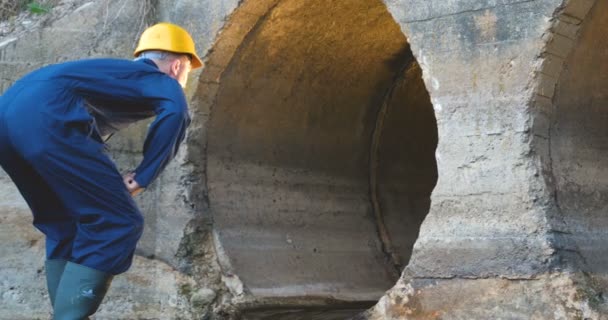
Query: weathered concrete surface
x=148 y=290
x=319 y=130
x=579 y=144
x=329 y=313
x=290 y=138
x=483 y=220
x=515 y=224
x=161 y=281
x=22 y=282
x=551 y=296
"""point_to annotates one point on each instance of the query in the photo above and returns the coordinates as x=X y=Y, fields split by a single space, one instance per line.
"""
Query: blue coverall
x=51 y=127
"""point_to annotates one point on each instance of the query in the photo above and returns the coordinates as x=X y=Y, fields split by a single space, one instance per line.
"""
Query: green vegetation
x=11 y=8
x=38 y=8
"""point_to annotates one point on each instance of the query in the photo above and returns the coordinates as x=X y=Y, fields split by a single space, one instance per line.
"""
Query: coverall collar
x=148 y=61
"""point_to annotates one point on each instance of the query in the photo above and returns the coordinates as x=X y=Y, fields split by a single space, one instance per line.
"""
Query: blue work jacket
x=107 y=95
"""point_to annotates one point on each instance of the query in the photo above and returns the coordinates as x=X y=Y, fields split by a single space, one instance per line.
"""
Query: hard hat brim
x=196 y=62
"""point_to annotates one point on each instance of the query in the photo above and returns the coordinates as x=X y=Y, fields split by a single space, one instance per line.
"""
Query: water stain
x=303 y=314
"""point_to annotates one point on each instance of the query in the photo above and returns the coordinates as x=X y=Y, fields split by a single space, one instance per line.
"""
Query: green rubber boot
x=53 y=269
x=80 y=292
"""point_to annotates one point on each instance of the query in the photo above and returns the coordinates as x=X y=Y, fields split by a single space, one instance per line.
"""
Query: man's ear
x=175 y=66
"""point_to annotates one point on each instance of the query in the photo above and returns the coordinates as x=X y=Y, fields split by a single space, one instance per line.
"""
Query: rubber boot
x=80 y=292
x=53 y=269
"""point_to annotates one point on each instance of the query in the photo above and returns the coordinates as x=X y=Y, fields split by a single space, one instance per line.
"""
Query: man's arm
x=162 y=141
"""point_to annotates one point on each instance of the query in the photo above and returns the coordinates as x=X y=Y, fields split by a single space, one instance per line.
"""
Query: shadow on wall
x=321 y=151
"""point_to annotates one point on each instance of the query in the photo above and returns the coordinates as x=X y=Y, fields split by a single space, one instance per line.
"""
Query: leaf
x=38 y=8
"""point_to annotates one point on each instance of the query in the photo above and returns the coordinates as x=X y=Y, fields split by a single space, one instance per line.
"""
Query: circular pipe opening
x=321 y=151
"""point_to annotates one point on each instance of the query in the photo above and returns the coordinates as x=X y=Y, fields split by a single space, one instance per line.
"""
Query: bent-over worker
x=53 y=124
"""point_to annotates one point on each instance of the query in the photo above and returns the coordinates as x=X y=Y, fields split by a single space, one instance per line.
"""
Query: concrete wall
x=74 y=29
x=477 y=59
x=509 y=232
x=161 y=281
x=320 y=130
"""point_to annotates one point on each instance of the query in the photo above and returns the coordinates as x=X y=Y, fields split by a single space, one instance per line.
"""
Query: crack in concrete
x=467 y=11
x=488 y=277
x=560 y=232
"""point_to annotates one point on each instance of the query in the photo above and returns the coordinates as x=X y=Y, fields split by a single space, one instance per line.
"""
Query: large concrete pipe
x=320 y=152
x=579 y=145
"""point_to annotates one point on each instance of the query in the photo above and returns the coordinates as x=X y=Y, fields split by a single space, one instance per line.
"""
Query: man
x=52 y=127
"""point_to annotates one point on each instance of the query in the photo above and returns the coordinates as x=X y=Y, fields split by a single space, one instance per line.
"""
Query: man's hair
x=162 y=55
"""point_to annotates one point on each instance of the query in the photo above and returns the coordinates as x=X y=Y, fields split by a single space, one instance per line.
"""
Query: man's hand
x=131 y=184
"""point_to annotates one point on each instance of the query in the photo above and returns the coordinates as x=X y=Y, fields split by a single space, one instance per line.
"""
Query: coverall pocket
x=82 y=135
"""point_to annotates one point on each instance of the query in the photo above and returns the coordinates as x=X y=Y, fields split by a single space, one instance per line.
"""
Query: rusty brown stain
x=486 y=24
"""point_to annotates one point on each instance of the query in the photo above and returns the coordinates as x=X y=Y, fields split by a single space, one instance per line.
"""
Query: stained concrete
x=155 y=285
x=548 y=297
x=483 y=221
x=579 y=143
x=290 y=137
x=509 y=231
x=335 y=143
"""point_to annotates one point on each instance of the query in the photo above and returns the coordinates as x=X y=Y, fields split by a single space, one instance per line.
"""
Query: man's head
x=175 y=65
x=171 y=48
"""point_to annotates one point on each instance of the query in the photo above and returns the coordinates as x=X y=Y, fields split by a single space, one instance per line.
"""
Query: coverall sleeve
x=163 y=139
x=167 y=131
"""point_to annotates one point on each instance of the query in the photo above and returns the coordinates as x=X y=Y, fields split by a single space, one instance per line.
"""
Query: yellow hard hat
x=168 y=37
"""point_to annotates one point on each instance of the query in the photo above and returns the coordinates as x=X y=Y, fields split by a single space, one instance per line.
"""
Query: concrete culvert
x=321 y=152
x=579 y=145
